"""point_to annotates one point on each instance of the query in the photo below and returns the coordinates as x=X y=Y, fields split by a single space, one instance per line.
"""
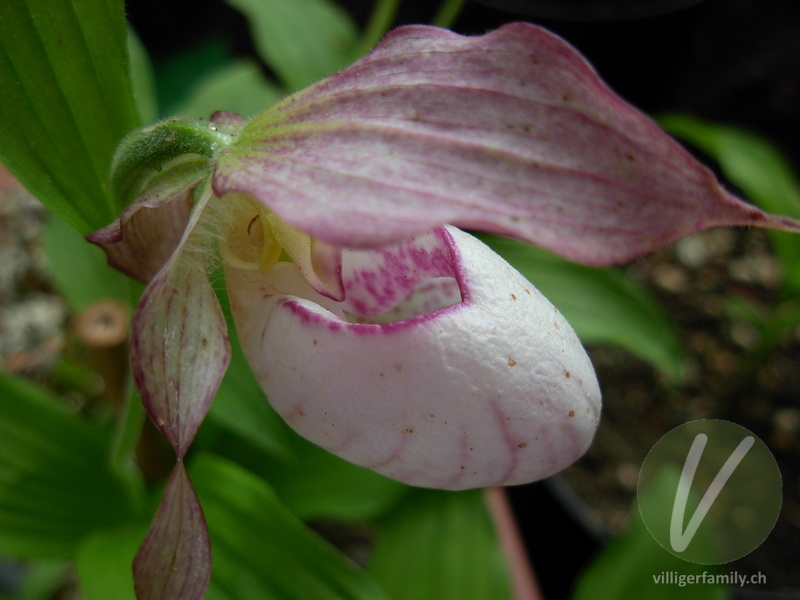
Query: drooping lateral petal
x=179 y=341
x=494 y=389
x=511 y=132
x=144 y=237
x=141 y=241
x=174 y=561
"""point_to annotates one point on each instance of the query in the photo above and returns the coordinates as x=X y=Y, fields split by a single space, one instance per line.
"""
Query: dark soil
x=729 y=375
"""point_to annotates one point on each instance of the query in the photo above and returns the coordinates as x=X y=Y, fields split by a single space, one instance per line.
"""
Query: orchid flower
x=377 y=329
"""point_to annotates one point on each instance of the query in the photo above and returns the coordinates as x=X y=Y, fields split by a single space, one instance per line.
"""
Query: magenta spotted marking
x=312 y=318
x=377 y=282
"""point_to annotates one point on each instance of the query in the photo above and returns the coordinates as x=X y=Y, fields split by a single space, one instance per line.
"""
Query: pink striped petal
x=179 y=342
x=492 y=387
x=174 y=561
x=511 y=132
x=142 y=240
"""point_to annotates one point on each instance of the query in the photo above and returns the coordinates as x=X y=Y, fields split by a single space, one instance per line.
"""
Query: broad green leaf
x=773 y=324
x=104 y=562
x=142 y=79
x=237 y=87
x=448 y=12
x=240 y=406
x=602 y=305
x=65 y=102
x=79 y=269
x=56 y=484
x=440 y=546
x=758 y=169
x=263 y=551
x=315 y=484
x=177 y=75
x=41 y=581
x=632 y=565
x=301 y=40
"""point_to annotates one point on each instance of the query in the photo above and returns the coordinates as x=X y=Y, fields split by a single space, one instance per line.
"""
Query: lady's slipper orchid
x=377 y=329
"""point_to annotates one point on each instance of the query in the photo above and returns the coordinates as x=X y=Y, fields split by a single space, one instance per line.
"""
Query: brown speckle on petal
x=511 y=362
x=572 y=413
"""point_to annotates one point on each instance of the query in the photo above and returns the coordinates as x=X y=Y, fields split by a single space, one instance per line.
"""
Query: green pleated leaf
x=263 y=551
x=635 y=566
x=237 y=87
x=241 y=407
x=142 y=79
x=41 y=580
x=178 y=74
x=301 y=40
x=440 y=546
x=602 y=305
x=65 y=102
x=79 y=269
x=104 y=562
x=315 y=484
x=56 y=484
x=758 y=169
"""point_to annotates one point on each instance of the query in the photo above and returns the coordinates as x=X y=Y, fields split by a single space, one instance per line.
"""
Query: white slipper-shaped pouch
x=475 y=380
